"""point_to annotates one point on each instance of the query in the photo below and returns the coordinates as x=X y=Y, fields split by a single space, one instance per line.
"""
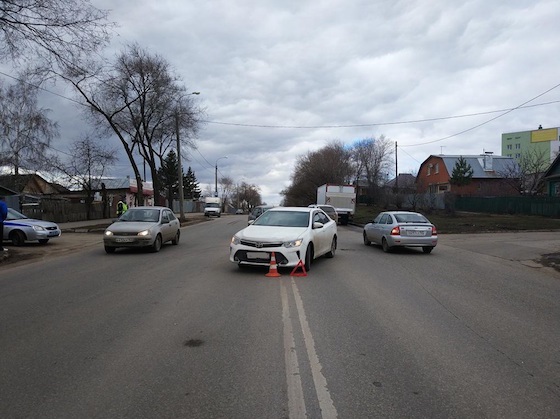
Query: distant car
x=257 y=212
x=292 y=233
x=401 y=229
x=19 y=229
x=239 y=211
x=329 y=209
x=148 y=227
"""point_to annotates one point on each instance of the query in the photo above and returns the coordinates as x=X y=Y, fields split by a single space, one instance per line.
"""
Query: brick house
x=489 y=175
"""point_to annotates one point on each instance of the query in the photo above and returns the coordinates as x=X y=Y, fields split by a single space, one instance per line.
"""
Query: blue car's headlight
x=39 y=228
x=293 y=243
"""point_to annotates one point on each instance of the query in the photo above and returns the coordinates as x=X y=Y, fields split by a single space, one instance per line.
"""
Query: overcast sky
x=281 y=78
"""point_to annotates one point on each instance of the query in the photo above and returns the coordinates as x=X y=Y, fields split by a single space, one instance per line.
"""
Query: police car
x=19 y=229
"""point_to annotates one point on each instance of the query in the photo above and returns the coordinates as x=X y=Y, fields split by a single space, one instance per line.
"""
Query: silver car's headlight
x=235 y=240
x=293 y=243
x=144 y=233
x=108 y=233
x=39 y=228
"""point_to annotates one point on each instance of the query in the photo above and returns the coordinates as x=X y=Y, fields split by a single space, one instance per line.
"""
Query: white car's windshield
x=283 y=219
x=14 y=215
x=143 y=215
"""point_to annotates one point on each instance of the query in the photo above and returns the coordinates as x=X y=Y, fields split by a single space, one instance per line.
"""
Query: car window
x=383 y=219
x=377 y=219
x=389 y=219
x=283 y=219
x=410 y=218
x=170 y=215
x=319 y=217
x=165 y=217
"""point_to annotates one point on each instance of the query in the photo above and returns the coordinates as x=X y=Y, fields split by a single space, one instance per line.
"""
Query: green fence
x=547 y=206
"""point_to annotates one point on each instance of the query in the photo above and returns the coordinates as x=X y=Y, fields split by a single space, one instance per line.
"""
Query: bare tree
x=51 y=31
x=85 y=166
x=373 y=159
x=228 y=186
x=26 y=130
x=330 y=164
x=143 y=104
x=526 y=175
x=247 y=195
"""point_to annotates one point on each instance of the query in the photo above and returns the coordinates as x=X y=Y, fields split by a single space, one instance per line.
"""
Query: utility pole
x=179 y=170
x=396 y=170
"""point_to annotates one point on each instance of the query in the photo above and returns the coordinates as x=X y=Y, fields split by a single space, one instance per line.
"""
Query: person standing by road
x=3 y=216
x=121 y=208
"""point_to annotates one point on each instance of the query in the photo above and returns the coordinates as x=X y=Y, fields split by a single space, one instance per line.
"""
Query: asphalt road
x=468 y=331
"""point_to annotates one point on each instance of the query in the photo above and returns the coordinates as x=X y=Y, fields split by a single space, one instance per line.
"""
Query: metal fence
x=547 y=206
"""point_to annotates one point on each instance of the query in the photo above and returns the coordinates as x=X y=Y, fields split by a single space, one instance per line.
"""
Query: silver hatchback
x=147 y=227
x=401 y=229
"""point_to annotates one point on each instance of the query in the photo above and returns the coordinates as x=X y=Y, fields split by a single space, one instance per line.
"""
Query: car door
x=379 y=228
x=166 y=227
x=322 y=240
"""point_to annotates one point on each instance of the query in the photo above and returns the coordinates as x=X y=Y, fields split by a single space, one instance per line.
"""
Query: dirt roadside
x=71 y=240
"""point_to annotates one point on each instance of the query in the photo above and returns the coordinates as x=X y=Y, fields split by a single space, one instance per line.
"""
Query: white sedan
x=292 y=233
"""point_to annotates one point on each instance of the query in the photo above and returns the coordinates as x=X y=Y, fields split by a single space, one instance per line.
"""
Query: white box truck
x=341 y=197
x=212 y=206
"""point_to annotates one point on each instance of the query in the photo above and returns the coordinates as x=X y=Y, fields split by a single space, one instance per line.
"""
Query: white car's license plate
x=120 y=240
x=415 y=233
x=53 y=234
x=255 y=255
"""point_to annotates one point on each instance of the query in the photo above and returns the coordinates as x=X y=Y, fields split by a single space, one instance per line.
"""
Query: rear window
x=410 y=218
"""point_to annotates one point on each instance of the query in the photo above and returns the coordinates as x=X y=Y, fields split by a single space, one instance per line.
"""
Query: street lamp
x=180 y=165
x=216 y=176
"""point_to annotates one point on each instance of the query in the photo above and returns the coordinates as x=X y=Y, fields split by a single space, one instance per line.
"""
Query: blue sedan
x=19 y=229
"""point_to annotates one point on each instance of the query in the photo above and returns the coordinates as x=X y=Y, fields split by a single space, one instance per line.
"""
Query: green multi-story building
x=546 y=141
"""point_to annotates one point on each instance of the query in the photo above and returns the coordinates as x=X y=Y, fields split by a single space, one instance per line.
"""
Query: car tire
x=427 y=249
x=366 y=241
x=18 y=238
x=175 y=241
x=333 y=248
x=110 y=250
x=385 y=246
x=156 y=247
x=43 y=241
x=308 y=257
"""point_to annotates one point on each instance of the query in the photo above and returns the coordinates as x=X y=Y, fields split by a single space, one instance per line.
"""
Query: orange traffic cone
x=303 y=271
x=273 y=270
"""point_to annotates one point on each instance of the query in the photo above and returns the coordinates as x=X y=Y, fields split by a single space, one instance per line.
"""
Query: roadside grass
x=469 y=222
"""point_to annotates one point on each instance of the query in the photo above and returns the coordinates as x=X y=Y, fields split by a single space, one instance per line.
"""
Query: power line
x=373 y=124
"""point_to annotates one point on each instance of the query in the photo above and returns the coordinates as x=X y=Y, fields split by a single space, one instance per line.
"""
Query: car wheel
x=44 y=241
x=177 y=237
x=427 y=249
x=109 y=249
x=366 y=241
x=18 y=238
x=157 y=244
x=333 y=248
x=308 y=257
x=385 y=245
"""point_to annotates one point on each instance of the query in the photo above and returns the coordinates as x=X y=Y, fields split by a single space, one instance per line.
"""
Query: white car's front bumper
x=246 y=255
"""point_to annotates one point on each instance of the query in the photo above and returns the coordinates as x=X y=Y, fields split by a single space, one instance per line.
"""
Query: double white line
x=296 y=402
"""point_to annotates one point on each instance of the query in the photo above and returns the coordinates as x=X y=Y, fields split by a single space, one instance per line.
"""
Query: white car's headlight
x=108 y=233
x=235 y=240
x=293 y=243
x=38 y=228
x=144 y=233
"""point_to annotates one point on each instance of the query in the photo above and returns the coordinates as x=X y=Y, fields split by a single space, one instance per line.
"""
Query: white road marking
x=295 y=394
x=296 y=402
